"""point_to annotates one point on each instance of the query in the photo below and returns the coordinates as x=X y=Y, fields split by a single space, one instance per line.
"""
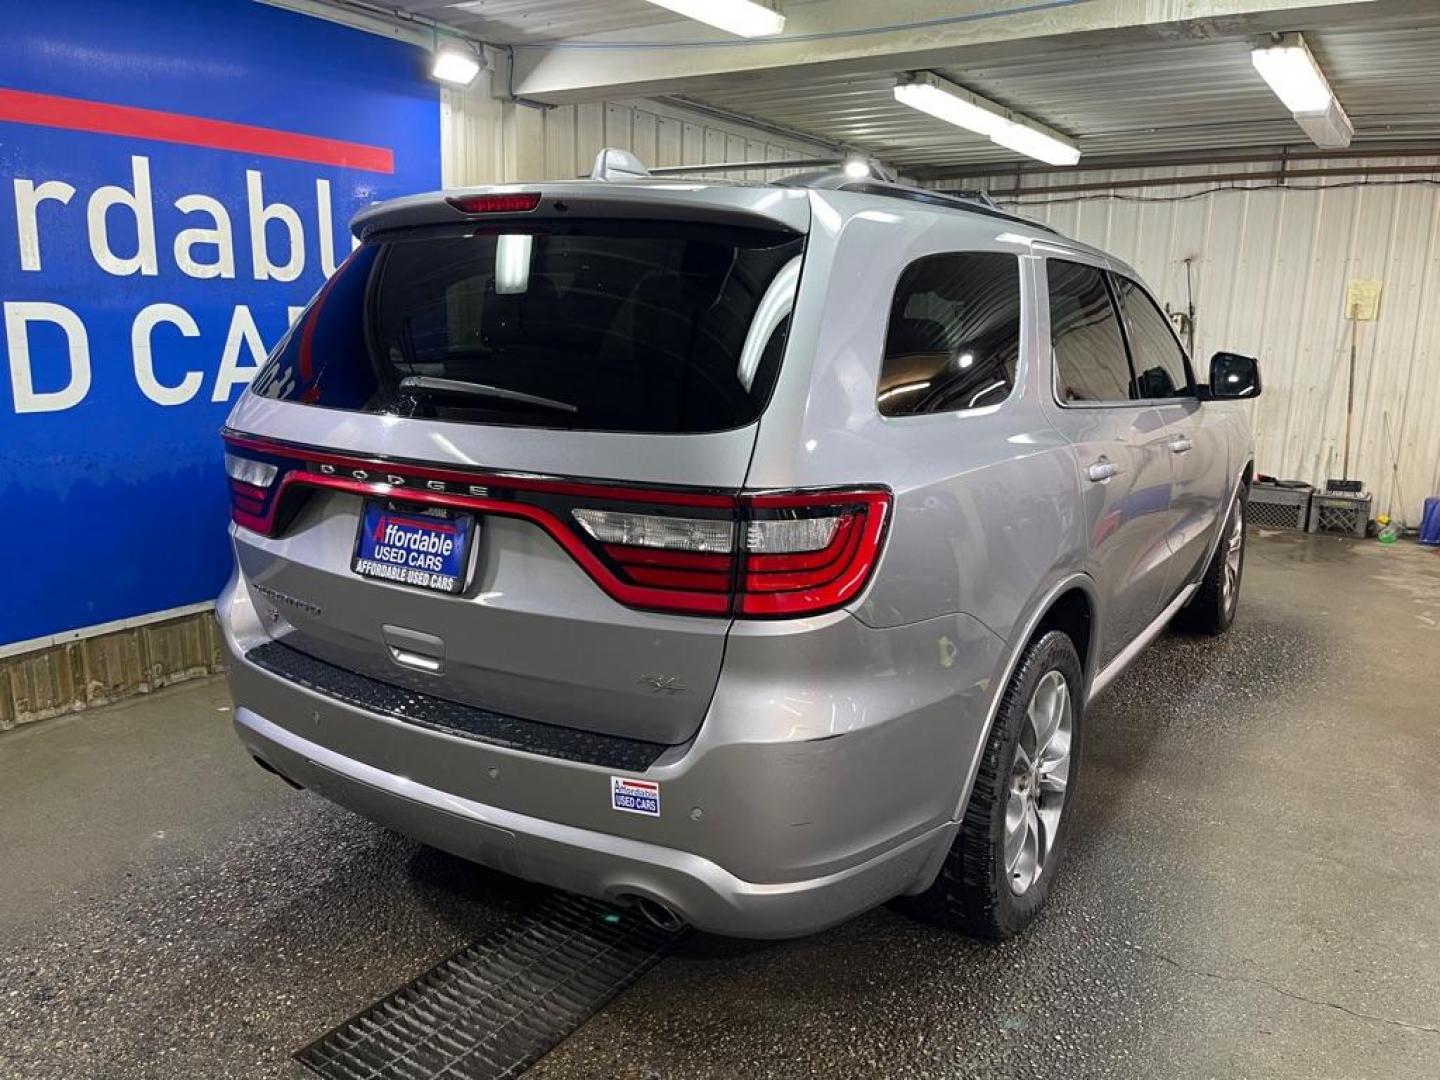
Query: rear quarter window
x=953 y=339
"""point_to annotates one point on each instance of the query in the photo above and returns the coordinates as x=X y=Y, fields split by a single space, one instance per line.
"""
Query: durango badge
x=635 y=796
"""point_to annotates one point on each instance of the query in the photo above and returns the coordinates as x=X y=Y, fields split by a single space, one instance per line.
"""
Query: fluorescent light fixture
x=857 y=169
x=1286 y=63
x=1292 y=73
x=1034 y=143
x=1330 y=129
x=455 y=64
x=743 y=18
x=512 y=263
x=944 y=100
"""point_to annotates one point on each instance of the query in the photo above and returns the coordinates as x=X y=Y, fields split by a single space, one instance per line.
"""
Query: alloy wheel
x=1038 y=779
x=1234 y=548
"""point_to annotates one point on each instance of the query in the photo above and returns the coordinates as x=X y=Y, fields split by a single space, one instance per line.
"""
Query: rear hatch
x=496 y=458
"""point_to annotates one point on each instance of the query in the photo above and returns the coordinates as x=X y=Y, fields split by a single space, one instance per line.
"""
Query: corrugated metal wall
x=488 y=141
x=1270 y=269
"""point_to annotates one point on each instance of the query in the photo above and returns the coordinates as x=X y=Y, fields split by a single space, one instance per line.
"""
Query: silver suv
x=747 y=552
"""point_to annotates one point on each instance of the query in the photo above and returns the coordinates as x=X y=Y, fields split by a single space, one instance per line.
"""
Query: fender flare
x=1038 y=611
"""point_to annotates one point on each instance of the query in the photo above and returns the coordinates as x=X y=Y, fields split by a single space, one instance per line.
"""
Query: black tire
x=973 y=892
x=1212 y=609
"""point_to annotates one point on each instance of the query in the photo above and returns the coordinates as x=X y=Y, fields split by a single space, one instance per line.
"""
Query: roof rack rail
x=976 y=202
x=614 y=164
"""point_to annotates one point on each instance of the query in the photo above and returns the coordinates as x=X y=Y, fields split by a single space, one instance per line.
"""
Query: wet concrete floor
x=1253 y=888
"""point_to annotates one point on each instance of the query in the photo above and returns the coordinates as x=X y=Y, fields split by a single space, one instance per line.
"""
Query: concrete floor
x=1253 y=888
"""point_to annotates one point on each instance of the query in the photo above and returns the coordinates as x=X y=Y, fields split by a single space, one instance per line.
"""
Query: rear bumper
x=596 y=864
x=822 y=782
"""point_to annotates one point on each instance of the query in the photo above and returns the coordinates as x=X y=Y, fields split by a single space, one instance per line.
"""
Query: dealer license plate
x=414 y=548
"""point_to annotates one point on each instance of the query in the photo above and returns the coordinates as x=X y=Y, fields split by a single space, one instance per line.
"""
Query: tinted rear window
x=605 y=327
x=954 y=335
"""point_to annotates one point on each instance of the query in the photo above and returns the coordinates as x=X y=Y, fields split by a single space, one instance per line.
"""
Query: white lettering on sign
x=28 y=197
x=120 y=225
x=18 y=317
x=137 y=203
x=243 y=331
x=219 y=236
x=326 y=222
x=140 y=335
x=260 y=217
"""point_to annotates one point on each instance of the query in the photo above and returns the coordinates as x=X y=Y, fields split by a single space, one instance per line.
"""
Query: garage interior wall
x=1270 y=266
x=485 y=140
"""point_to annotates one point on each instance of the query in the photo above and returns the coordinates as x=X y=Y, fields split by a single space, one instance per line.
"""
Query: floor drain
x=494 y=1008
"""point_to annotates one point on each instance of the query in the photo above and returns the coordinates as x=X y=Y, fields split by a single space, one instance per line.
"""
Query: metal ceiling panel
x=1132 y=98
x=515 y=22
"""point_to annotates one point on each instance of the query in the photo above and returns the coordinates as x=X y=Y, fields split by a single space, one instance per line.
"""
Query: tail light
x=766 y=555
x=252 y=488
x=809 y=552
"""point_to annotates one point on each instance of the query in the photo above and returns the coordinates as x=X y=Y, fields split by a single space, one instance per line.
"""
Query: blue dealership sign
x=176 y=177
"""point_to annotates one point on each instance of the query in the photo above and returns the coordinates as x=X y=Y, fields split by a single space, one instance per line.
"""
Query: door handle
x=413 y=649
x=1102 y=470
x=1181 y=445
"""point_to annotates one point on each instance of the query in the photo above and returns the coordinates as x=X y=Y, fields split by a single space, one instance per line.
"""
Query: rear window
x=597 y=327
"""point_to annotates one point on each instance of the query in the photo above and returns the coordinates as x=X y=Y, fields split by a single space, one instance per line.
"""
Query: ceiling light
x=1292 y=73
x=455 y=64
x=857 y=169
x=744 y=18
x=944 y=100
x=1036 y=144
x=948 y=102
x=1330 y=129
x=1286 y=63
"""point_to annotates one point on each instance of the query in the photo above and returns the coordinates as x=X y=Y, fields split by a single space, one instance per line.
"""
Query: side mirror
x=1234 y=376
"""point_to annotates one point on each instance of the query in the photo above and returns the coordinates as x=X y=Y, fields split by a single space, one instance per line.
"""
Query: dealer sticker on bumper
x=635 y=796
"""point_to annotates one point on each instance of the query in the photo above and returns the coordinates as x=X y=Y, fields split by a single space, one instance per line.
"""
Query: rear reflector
x=513 y=203
x=683 y=551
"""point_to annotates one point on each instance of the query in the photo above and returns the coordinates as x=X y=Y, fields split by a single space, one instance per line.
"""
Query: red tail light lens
x=810 y=552
x=766 y=555
x=512 y=203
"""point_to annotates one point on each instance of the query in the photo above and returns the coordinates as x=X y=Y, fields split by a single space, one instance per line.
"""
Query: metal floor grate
x=494 y=1008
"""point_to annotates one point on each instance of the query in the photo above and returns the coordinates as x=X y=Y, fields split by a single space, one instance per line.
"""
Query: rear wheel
x=1212 y=609
x=999 y=871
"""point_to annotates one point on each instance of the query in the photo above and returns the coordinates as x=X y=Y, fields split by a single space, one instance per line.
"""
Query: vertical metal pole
x=1350 y=390
x=1190 y=299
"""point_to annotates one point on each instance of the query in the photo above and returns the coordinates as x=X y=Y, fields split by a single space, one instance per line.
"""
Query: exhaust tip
x=659 y=915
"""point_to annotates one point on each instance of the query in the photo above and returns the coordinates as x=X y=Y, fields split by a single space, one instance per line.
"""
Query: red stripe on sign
x=76 y=114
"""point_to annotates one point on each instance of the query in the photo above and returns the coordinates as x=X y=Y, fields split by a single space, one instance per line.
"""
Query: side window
x=1157 y=357
x=1085 y=336
x=954 y=335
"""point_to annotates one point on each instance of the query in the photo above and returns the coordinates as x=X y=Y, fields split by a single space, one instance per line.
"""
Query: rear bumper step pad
x=453 y=718
x=495 y=1008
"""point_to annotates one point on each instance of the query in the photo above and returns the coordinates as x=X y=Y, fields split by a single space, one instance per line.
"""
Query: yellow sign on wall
x=1362 y=299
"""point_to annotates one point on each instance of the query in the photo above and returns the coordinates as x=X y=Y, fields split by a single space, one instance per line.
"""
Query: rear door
x=1120 y=453
x=502 y=459
x=1163 y=376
